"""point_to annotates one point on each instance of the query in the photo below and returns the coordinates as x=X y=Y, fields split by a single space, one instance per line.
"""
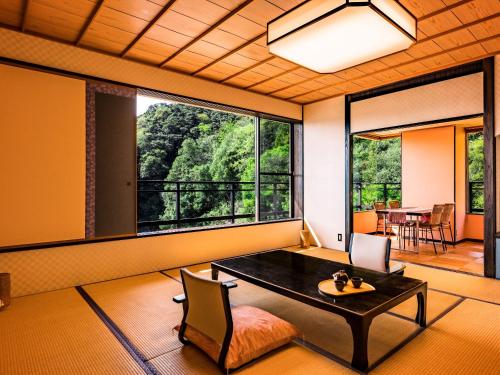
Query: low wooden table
x=297 y=276
x=410 y=211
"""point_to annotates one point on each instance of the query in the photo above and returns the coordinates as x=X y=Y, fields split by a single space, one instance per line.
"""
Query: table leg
x=215 y=274
x=417 y=228
x=422 y=308
x=359 y=329
x=385 y=225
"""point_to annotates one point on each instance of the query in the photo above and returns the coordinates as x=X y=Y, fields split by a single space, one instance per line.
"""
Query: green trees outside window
x=376 y=171
x=475 y=172
x=197 y=167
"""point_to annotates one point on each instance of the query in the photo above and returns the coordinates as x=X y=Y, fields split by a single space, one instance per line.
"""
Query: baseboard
x=469 y=240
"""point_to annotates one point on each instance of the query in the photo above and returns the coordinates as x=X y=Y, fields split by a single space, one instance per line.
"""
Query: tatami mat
x=202 y=270
x=465 y=341
x=437 y=303
x=291 y=360
x=58 y=333
x=321 y=328
x=447 y=281
x=142 y=307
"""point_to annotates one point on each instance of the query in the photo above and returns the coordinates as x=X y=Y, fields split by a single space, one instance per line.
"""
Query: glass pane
x=274 y=146
x=475 y=170
x=196 y=166
x=274 y=197
x=376 y=171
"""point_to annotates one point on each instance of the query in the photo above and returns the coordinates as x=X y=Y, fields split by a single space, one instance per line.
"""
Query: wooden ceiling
x=225 y=40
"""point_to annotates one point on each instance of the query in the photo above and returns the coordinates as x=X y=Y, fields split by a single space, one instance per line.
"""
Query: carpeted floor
x=58 y=333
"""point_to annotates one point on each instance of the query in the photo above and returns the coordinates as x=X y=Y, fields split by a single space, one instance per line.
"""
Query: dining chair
x=374 y=253
x=446 y=221
x=231 y=336
x=432 y=223
x=380 y=217
x=394 y=204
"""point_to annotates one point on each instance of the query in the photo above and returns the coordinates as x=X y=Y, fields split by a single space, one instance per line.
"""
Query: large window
x=376 y=171
x=475 y=172
x=200 y=166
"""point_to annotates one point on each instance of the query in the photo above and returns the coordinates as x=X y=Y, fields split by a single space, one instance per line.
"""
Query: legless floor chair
x=373 y=252
x=233 y=336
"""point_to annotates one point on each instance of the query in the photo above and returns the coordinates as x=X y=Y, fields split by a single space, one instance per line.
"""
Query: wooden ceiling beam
x=148 y=27
x=445 y=9
x=247 y=69
x=229 y=53
x=479 y=41
x=89 y=20
x=24 y=15
x=429 y=38
x=273 y=77
x=207 y=31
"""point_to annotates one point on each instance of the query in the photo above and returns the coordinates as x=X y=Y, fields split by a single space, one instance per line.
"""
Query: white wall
x=451 y=98
x=324 y=170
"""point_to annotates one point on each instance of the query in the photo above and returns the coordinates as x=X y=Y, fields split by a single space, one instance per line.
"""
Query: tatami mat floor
x=125 y=326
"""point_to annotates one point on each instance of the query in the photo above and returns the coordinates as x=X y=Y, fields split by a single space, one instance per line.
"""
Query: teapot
x=341 y=275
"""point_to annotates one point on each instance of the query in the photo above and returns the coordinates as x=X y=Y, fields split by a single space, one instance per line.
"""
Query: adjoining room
x=417 y=167
x=207 y=187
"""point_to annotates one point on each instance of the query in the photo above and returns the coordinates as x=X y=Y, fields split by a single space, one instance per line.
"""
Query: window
x=197 y=166
x=475 y=172
x=376 y=171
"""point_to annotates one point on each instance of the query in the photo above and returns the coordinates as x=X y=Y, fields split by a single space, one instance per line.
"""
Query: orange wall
x=460 y=186
x=474 y=227
x=428 y=167
x=42 y=157
x=364 y=222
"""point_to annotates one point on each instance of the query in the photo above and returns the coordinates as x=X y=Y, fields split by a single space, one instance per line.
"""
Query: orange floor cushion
x=255 y=332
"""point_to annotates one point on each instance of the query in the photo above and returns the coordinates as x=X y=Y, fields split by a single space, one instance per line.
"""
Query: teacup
x=339 y=284
x=356 y=281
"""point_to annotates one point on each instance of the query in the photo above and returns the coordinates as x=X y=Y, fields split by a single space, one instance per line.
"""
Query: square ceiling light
x=330 y=35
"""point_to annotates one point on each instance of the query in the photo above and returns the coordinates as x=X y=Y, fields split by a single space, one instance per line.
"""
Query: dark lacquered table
x=297 y=276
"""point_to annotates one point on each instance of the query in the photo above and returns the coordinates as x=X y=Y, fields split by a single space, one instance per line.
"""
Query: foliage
x=376 y=167
x=176 y=142
x=475 y=166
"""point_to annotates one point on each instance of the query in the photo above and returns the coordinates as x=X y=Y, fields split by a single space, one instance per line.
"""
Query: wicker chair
x=380 y=217
x=433 y=223
x=446 y=221
x=394 y=204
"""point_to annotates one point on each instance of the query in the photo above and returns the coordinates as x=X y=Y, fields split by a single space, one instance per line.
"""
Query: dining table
x=409 y=211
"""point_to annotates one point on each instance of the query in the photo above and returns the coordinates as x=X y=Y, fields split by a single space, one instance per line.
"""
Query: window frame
x=257 y=116
x=468 y=196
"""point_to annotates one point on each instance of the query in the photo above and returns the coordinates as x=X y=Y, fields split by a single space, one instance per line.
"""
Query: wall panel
x=446 y=99
x=324 y=170
x=55 y=268
x=48 y=53
x=42 y=157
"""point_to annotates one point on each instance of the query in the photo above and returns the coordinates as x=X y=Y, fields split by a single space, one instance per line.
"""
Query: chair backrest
x=370 y=251
x=447 y=211
x=208 y=308
x=437 y=212
x=379 y=206
x=393 y=204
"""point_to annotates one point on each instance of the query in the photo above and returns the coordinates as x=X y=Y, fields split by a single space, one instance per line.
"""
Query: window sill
x=46 y=245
